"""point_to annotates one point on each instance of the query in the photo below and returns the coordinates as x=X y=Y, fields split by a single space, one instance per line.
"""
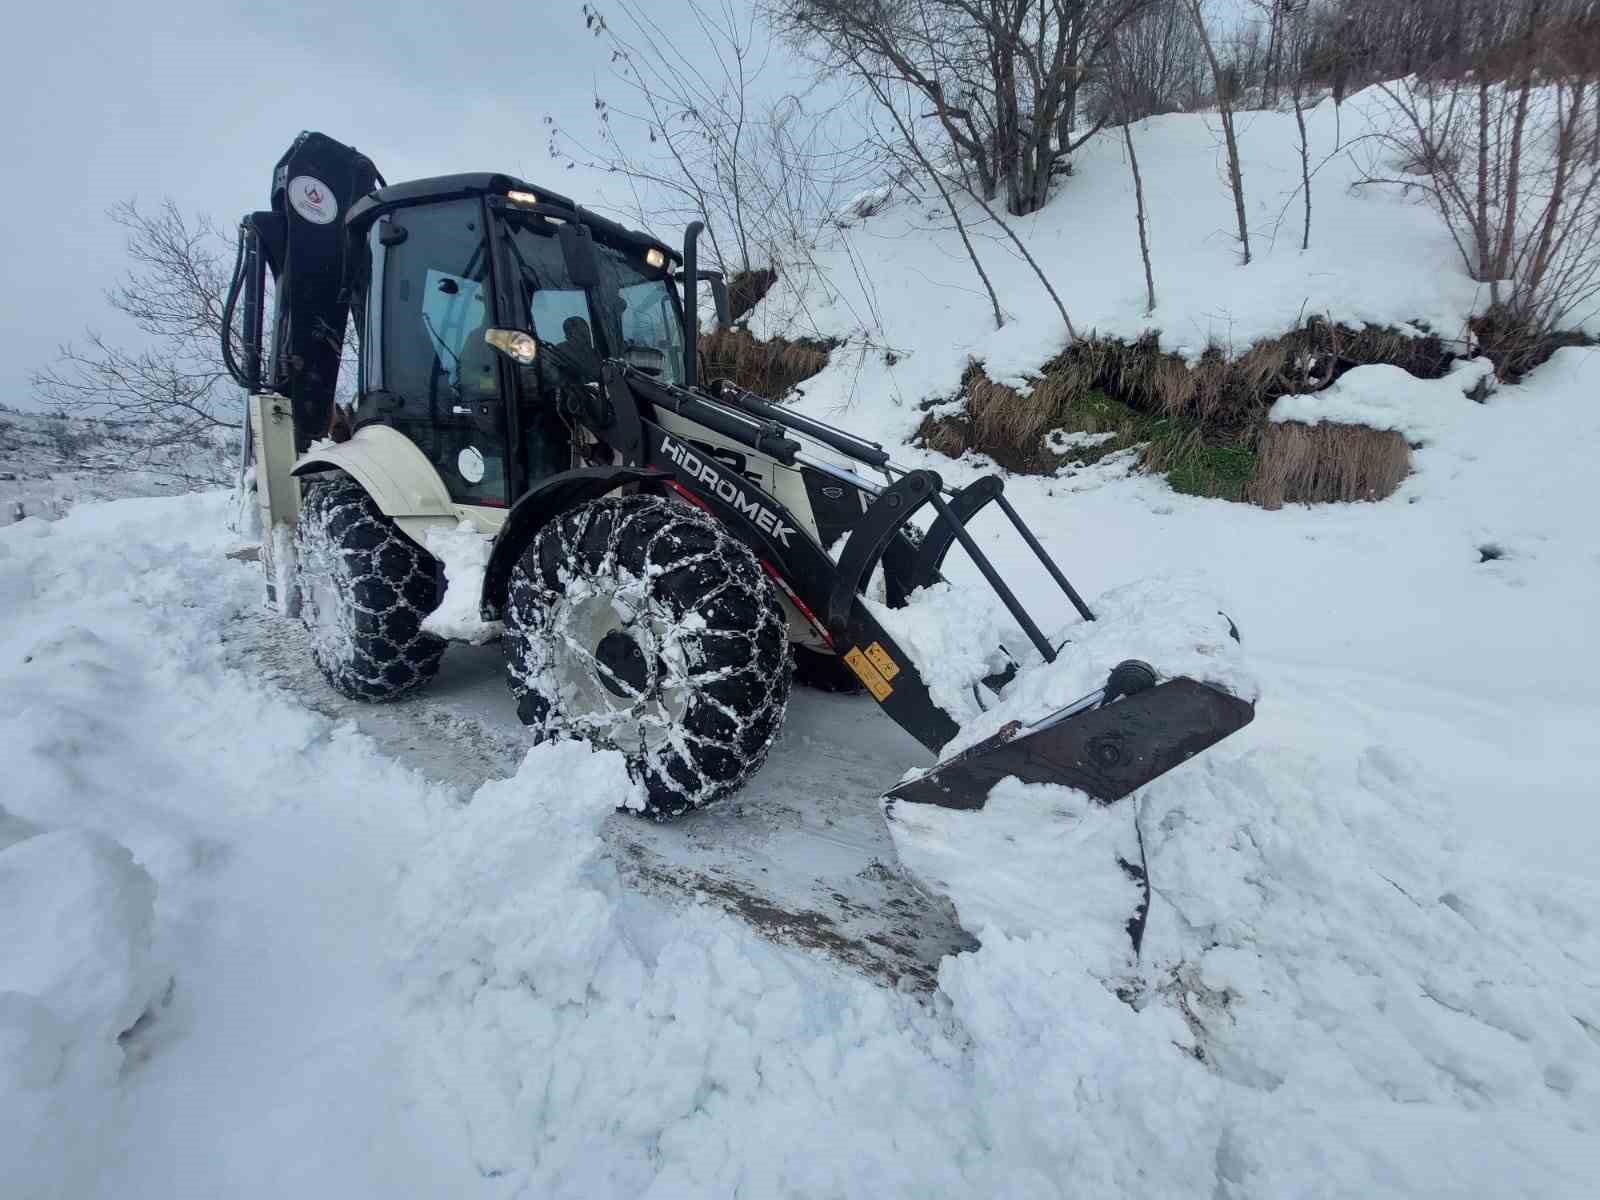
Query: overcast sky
x=196 y=101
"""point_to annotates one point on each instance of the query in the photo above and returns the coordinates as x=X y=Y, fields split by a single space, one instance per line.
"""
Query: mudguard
x=528 y=515
x=389 y=466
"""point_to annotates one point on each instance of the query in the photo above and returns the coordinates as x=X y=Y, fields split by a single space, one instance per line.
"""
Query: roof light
x=522 y=197
x=655 y=258
x=513 y=343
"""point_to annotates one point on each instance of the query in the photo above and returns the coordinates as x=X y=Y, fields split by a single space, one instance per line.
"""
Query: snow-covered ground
x=1373 y=965
x=249 y=948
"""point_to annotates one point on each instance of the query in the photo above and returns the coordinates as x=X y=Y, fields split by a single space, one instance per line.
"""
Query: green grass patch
x=1197 y=469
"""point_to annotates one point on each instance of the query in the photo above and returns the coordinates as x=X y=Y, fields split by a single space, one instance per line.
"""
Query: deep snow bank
x=76 y=971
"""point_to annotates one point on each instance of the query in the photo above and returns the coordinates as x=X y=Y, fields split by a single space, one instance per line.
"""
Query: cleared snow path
x=800 y=854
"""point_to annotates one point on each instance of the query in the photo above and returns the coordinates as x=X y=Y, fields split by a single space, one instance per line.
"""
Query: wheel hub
x=621 y=665
x=626 y=672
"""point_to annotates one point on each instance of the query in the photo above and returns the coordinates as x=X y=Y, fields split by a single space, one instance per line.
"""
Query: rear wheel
x=639 y=624
x=364 y=590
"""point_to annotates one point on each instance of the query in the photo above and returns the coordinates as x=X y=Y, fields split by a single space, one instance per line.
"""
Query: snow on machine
x=655 y=547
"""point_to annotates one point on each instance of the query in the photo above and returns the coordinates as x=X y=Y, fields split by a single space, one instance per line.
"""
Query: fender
x=536 y=509
x=394 y=472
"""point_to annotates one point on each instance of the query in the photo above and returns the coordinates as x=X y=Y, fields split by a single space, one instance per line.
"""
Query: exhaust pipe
x=691 y=303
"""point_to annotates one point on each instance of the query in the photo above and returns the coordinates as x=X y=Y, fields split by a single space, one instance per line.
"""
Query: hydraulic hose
x=234 y=287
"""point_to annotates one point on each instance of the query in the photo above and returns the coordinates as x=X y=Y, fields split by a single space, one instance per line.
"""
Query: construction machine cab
x=443 y=274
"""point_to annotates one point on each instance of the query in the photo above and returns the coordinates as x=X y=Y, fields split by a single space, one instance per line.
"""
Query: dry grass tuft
x=1309 y=464
x=1202 y=424
x=768 y=368
x=747 y=289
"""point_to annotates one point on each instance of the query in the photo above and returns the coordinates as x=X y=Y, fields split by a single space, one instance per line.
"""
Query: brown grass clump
x=747 y=289
x=1202 y=425
x=1307 y=464
x=768 y=368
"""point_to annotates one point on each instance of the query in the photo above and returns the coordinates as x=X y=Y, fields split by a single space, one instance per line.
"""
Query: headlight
x=654 y=258
x=522 y=197
x=516 y=345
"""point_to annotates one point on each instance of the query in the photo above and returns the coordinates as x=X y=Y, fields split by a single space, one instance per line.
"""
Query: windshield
x=648 y=313
x=633 y=305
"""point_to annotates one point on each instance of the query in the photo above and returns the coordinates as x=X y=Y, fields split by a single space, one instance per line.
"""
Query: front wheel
x=639 y=624
x=364 y=589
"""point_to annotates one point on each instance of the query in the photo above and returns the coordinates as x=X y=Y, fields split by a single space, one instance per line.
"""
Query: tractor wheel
x=364 y=590
x=639 y=624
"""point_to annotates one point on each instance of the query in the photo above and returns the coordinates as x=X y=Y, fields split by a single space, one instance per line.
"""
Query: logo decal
x=313 y=199
x=727 y=491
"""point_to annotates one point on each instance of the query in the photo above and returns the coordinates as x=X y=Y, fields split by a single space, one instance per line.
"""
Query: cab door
x=427 y=370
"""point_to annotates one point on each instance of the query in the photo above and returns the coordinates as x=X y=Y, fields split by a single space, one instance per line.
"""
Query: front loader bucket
x=1106 y=744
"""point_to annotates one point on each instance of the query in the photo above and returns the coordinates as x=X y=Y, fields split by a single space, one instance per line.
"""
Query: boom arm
x=302 y=240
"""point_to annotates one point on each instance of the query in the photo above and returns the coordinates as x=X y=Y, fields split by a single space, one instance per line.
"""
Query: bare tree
x=1227 y=82
x=702 y=134
x=1122 y=83
x=1001 y=77
x=1504 y=164
x=172 y=388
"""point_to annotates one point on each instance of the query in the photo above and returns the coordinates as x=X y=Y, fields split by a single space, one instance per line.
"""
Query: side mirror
x=646 y=358
x=719 y=293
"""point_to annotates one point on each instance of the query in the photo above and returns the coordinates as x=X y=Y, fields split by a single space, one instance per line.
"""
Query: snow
x=1384 y=397
x=952 y=632
x=377 y=990
x=1378 y=254
x=249 y=951
x=75 y=919
x=464 y=551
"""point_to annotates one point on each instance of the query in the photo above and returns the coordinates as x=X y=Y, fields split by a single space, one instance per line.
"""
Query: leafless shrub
x=1506 y=165
x=1159 y=66
x=696 y=134
x=173 y=387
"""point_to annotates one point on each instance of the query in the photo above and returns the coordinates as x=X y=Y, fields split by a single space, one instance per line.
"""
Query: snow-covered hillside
x=902 y=294
x=248 y=949
x=50 y=463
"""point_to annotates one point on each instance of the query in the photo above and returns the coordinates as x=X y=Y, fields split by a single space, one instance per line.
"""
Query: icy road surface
x=801 y=852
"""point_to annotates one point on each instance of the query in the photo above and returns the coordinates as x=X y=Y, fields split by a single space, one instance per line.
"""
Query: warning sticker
x=887 y=667
x=868 y=674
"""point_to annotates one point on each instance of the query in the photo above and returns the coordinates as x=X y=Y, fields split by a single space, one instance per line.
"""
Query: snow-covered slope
x=902 y=294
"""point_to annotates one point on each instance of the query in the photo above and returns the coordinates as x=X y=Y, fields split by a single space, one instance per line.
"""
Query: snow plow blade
x=1107 y=744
